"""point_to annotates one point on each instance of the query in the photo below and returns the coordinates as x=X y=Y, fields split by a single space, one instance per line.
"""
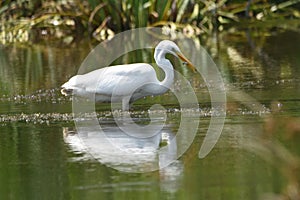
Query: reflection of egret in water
x=122 y=151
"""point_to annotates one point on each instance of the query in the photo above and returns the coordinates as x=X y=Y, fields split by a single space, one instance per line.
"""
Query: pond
x=42 y=157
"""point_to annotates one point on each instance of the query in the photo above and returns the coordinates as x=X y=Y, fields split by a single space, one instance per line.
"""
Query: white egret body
x=127 y=83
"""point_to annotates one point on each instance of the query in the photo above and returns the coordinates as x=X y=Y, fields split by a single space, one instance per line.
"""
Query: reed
x=23 y=20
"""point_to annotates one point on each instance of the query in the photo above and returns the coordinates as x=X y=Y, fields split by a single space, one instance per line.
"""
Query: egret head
x=167 y=46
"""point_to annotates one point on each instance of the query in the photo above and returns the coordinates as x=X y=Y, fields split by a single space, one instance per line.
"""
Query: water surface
x=41 y=156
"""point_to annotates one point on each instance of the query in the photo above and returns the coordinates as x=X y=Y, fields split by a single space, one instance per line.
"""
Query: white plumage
x=127 y=83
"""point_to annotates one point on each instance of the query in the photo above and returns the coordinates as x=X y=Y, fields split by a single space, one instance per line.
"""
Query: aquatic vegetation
x=24 y=21
x=276 y=144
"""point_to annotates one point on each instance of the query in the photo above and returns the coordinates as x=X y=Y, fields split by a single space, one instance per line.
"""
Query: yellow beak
x=188 y=63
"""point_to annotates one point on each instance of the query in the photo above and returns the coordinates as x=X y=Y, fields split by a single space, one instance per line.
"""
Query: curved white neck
x=167 y=67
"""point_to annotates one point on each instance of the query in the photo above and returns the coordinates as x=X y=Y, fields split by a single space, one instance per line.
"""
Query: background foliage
x=24 y=20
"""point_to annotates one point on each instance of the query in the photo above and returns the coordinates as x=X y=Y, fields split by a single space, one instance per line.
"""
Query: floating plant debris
x=49 y=118
x=50 y=95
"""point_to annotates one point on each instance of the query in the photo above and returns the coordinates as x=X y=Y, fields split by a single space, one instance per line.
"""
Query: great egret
x=127 y=83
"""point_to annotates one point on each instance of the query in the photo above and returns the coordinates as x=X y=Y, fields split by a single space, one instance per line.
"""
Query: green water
x=40 y=159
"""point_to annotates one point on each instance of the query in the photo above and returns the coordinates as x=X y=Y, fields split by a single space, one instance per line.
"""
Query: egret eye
x=184 y=63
